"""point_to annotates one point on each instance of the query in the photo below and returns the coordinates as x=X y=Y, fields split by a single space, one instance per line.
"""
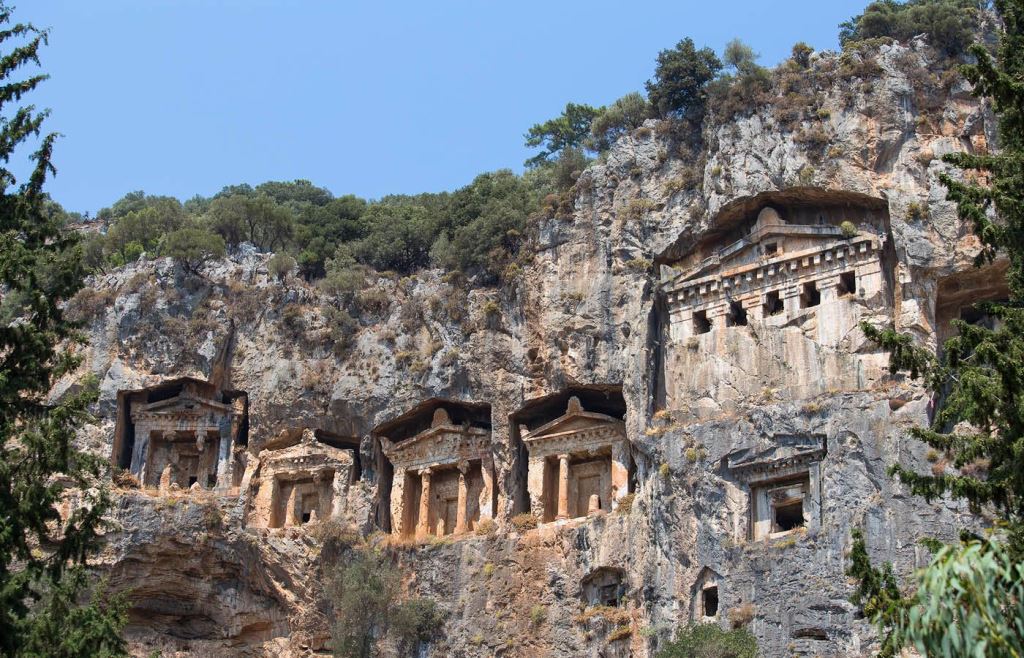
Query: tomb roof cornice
x=790 y=455
x=687 y=279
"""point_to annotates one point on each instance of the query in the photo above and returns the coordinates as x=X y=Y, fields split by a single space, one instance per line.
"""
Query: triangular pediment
x=574 y=420
x=183 y=404
x=315 y=449
x=436 y=435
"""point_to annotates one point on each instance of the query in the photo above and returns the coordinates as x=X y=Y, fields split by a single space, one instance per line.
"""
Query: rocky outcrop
x=589 y=313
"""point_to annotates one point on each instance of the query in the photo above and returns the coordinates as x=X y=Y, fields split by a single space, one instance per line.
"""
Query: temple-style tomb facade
x=300 y=479
x=181 y=434
x=578 y=464
x=443 y=480
x=771 y=274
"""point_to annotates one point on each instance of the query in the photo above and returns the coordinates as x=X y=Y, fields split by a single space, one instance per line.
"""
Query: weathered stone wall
x=587 y=311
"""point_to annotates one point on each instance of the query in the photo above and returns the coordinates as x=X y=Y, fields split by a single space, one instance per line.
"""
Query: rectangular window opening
x=810 y=295
x=789 y=515
x=847 y=284
x=737 y=316
x=701 y=324
x=192 y=480
x=211 y=481
x=773 y=304
x=710 y=601
x=771 y=249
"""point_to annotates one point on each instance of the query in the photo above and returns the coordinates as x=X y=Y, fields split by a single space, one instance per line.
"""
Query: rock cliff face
x=723 y=420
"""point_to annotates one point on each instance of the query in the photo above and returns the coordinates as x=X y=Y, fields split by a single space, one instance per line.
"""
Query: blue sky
x=182 y=97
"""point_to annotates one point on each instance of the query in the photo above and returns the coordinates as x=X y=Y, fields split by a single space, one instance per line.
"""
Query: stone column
x=139 y=451
x=680 y=322
x=752 y=305
x=832 y=318
x=461 y=512
x=812 y=500
x=397 y=503
x=535 y=486
x=224 y=461
x=791 y=301
x=423 y=527
x=563 y=486
x=716 y=315
x=339 y=493
x=620 y=471
x=487 y=491
x=290 y=518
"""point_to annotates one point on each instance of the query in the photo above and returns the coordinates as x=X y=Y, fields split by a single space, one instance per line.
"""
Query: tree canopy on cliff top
x=41 y=554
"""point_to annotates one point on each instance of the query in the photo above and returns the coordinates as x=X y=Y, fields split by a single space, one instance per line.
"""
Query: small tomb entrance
x=301 y=479
x=604 y=586
x=785 y=484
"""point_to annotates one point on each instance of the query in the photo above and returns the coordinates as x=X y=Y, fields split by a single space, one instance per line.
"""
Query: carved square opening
x=810 y=295
x=709 y=601
x=789 y=516
x=779 y=507
x=701 y=324
x=737 y=316
x=771 y=248
x=773 y=304
x=847 y=284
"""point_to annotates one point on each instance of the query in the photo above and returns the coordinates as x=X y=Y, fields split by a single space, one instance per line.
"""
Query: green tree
x=486 y=220
x=801 y=54
x=979 y=380
x=192 y=247
x=257 y=219
x=568 y=130
x=626 y=114
x=45 y=607
x=950 y=25
x=320 y=229
x=398 y=237
x=295 y=195
x=710 y=641
x=280 y=266
x=365 y=592
x=680 y=80
x=740 y=57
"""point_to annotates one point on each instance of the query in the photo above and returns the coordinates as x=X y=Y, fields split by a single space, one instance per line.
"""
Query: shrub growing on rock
x=710 y=641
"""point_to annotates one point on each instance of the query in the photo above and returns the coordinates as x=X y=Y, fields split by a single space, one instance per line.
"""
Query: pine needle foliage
x=979 y=382
x=41 y=555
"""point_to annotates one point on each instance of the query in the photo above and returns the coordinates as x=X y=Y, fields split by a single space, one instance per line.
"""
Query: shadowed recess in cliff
x=804 y=204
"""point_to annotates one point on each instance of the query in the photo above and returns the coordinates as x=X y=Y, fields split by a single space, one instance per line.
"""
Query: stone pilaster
x=620 y=471
x=535 y=485
x=290 y=517
x=423 y=527
x=398 y=503
x=460 y=512
x=487 y=492
x=563 y=486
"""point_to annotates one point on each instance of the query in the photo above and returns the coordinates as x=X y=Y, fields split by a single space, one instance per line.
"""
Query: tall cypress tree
x=979 y=380
x=43 y=586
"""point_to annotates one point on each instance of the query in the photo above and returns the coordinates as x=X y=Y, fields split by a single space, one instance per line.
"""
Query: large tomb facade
x=301 y=479
x=181 y=434
x=443 y=475
x=773 y=299
x=578 y=463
